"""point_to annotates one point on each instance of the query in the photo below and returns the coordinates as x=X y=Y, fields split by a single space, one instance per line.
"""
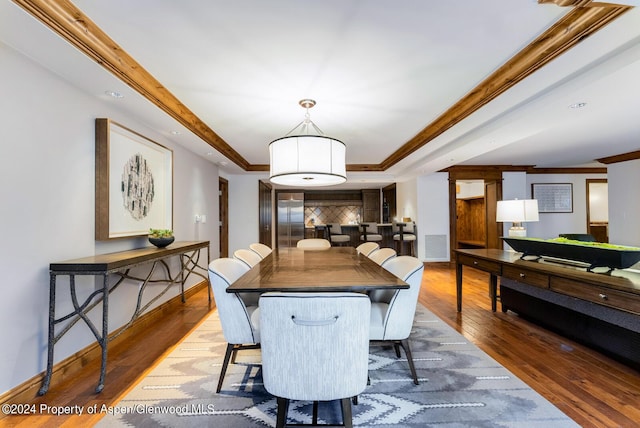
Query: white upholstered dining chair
x=382 y=255
x=315 y=347
x=249 y=257
x=313 y=244
x=367 y=248
x=262 y=249
x=240 y=322
x=392 y=314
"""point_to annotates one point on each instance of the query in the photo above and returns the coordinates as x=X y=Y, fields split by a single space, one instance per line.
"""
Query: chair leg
x=412 y=367
x=283 y=407
x=354 y=400
x=314 y=413
x=225 y=363
x=347 y=419
x=396 y=346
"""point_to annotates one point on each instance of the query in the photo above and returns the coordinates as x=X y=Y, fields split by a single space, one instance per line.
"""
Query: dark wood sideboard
x=601 y=310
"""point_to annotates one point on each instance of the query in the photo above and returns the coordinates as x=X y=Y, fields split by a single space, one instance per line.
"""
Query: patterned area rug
x=460 y=386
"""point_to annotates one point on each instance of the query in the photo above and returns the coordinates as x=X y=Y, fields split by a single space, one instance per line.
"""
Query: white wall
x=470 y=189
x=243 y=210
x=407 y=199
x=624 y=203
x=553 y=224
x=48 y=203
x=433 y=211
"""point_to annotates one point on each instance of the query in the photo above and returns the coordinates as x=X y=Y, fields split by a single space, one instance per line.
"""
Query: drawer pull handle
x=522 y=275
x=603 y=296
x=475 y=262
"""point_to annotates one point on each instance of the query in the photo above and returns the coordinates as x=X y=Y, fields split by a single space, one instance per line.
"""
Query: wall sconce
x=517 y=211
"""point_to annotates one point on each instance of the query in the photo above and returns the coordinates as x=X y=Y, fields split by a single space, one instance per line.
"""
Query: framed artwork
x=553 y=197
x=134 y=183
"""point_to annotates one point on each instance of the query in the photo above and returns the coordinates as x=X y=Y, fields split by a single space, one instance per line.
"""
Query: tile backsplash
x=343 y=214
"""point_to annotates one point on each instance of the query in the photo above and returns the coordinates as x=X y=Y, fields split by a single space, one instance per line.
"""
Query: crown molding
x=73 y=25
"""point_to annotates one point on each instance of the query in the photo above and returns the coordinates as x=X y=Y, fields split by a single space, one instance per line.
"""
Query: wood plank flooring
x=592 y=389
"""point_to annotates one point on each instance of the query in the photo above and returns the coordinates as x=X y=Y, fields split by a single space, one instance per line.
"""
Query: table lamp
x=517 y=211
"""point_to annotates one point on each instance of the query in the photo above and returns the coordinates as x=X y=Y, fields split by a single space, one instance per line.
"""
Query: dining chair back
x=315 y=347
x=249 y=257
x=382 y=255
x=313 y=244
x=262 y=249
x=240 y=322
x=393 y=320
x=367 y=248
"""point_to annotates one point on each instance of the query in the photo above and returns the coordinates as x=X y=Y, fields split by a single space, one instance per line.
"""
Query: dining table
x=334 y=269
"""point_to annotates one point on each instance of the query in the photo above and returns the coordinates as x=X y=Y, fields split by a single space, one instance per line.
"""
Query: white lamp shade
x=307 y=161
x=517 y=210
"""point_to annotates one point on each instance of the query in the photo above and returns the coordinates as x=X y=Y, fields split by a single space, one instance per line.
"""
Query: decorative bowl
x=592 y=253
x=161 y=242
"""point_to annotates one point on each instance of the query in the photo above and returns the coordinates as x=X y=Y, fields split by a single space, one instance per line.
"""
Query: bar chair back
x=370 y=233
x=405 y=233
x=336 y=236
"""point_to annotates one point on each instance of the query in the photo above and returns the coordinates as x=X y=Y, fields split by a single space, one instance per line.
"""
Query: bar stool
x=406 y=235
x=336 y=236
x=370 y=233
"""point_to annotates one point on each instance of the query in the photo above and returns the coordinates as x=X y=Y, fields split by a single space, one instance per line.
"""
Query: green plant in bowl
x=161 y=237
x=160 y=233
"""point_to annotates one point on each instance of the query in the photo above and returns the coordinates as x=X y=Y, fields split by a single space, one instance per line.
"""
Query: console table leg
x=459 y=286
x=105 y=332
x=51 y=337
x=493 y=290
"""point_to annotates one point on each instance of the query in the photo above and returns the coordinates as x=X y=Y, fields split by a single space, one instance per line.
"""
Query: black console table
x=118 y=264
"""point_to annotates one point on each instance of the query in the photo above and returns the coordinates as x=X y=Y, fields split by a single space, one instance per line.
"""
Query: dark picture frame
x=553 y=197
x=133 y=183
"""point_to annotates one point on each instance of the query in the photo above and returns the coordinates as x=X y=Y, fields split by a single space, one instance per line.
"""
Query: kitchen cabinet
x=371 y=205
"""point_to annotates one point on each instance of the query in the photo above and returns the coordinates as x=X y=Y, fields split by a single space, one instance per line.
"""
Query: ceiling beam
x=570 y=30
x=73 y=25
x=64 y=18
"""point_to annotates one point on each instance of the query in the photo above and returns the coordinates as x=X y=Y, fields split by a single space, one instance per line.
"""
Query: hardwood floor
x=592 y=389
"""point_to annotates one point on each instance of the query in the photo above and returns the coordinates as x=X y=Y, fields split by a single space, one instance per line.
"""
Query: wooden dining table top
x=335 y=269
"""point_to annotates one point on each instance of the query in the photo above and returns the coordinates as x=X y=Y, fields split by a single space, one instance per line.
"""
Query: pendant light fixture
x=305 y=157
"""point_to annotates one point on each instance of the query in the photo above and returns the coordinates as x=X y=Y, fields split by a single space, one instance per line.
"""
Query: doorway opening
x=598 y=209
x=471 y=229
x=492 y=183
x=223 y=204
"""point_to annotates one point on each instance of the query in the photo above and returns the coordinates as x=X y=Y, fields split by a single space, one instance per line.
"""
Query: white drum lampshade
x=517 y=211
x=304 y=159
x=307 y=160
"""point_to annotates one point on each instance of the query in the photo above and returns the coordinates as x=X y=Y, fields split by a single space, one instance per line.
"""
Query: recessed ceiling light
x=223 y=163
x=114 y=94
x=577 y=105
x=174 y=132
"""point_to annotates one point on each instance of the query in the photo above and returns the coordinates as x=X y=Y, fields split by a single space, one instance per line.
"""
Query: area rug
x=460 y=386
